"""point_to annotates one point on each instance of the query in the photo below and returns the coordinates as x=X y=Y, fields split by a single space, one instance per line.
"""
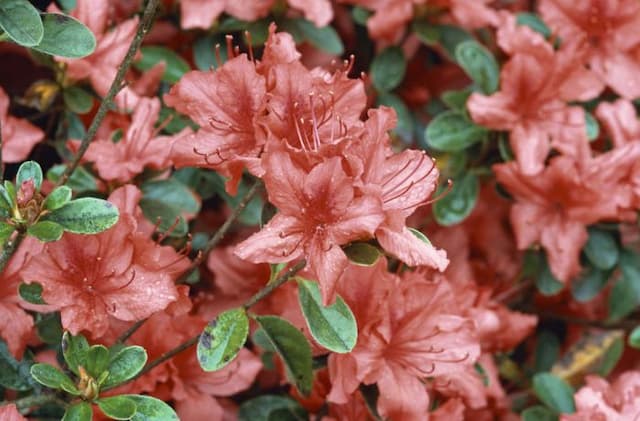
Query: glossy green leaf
x=169 y=217
x=46 y=231
x=271 y=408
x=117 y=407
x=80 y=411
x=172 y=192
x=5 y=232
x=634 y=338
x=31 y=293
x=625 y=294
x=446 y=36
x=601 y=248
x=9 y=193
x=452 y=131
x=546 y=283
x=14 y=374
x=420 y=236
x=456 y=100
x=97 y=360
x=21 y=22
x=222 y=339
x=388 y=69
x=589 y=283
x=292 y=347
x=362 y=254
x=65 y=36
x=325 y=38
x=554 y=392
x=360 y=15
x=86 y=215
x=175 y=66
x=547 y=351
x=59 y=197
x=455 y=206
x=49 y=328
x=534 y=22
x=538 y=413
x=405 y=127
x=334 y=327
x=29 y=170
x=80 y=181
x=77 y=99
x=51 y=377
x=479 y=64
x=611 y=357
x=128 y=362
x=151 y=409
x=74 y=351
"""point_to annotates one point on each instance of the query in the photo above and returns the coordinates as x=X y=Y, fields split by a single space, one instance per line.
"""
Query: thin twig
x=193 y=340
x=219 y=235
x=116 y=86
x=127 y=333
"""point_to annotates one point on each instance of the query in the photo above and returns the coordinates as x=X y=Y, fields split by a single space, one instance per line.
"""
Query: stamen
x=218 y=55
x=229 y=40
x=247 y=35
x=441 y=195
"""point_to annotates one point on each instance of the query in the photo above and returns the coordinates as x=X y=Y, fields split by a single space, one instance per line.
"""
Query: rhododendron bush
x=320 y=209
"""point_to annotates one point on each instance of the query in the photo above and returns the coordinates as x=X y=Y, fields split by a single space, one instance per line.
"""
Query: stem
x=219 y=235
x=127 y=333
x=116 y=86
x=272 y=286
x=9 y=248
x=193 y=340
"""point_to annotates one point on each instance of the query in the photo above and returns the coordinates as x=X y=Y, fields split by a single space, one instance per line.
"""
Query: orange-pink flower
x=18 y=135
x=120 y=273
x=10 y=413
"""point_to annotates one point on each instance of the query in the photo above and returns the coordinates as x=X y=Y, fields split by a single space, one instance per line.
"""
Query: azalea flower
x=554 y=207
x=620 y=120
x=202 y=13
x=10 y=413
x=609 y=30
x=318 y=212
x=139 y=147
x=599 y=399
x=389 y=18
x=18 y=135
x=119 y=273
x=535 y=85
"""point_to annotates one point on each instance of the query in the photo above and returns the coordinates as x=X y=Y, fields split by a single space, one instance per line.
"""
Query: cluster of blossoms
x=470 y=258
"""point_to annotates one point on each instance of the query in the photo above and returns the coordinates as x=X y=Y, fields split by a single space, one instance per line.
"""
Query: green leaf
x=592 y=126
x=634 y=338
x=9 y=193
x=325 y=38
x=128 y=362
x=611 y=357
x=479 y=64
x=80 y=181
x=554 y=392
x=405 y=126
x=360 y=15
x=21 y=22
x=14 y=374
x=547 y=283
x=59 y=197
x=5 y=232
x=117 y=407
x=446 y=36
x=46 y=231
x=538 y=413
x=97 y=360
x=459 y=202
x=547 y=351
x=172 y=192
x=86 y=215
x=222 y=339
x=31 y=293
x=175 y=66
x=534 y=22
x=590 y=282
x=51 y=377
x=601 y=249
x=271 y=408
x=456 y=100
x=29 y=170
x=80 y=411
x=204 y=182
x=170 y=218
x=203 y=52
x=625 y=294
x=452 y=131
x=293 y=348
x=388 y=69
x=362 y=254
x=65 y=36
x=49 y=328
x=151 y=409
x=67 y=5
x=74 y=351
x=420 y=236
x=77 y=99
x=334 y=327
